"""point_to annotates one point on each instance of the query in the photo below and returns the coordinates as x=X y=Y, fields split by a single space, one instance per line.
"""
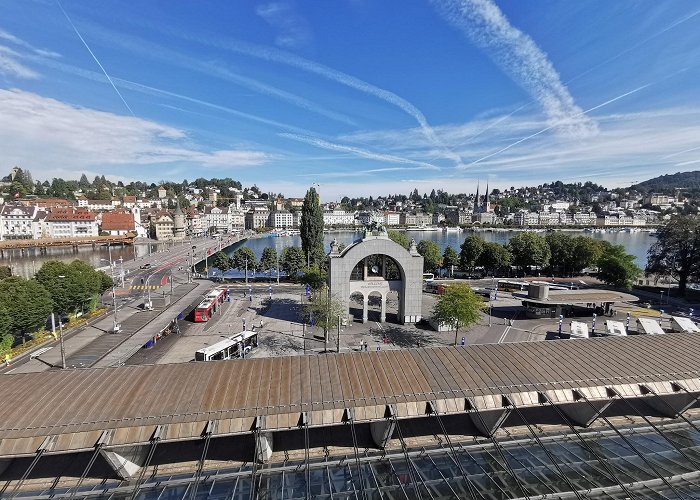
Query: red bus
x=211 y=303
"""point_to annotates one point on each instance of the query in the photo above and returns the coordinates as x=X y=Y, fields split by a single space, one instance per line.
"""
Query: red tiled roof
x=117 y=221
x=62 y=214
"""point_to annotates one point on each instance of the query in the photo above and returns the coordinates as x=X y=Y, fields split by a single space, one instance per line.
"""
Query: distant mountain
x=688 y=181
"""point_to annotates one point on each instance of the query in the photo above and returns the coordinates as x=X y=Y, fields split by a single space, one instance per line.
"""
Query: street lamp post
x=60 y=337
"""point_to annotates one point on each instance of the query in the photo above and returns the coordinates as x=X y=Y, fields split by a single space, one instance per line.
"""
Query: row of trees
x=25 y=304
x=291 y=260
x=556 y=253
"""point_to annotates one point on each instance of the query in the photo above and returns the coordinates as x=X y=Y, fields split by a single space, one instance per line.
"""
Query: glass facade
x=614 y=461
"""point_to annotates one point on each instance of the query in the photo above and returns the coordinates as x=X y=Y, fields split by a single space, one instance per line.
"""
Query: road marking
x=505 y=332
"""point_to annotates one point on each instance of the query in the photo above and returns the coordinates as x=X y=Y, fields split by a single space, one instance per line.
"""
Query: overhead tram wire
x=551 y=458
x=502 y=453
x=453 y=453
x=604 y=463
x=634 y=449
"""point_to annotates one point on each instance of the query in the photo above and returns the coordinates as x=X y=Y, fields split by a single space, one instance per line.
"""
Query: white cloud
x=294 y=31
x=40 y=133
x=10 y=65
x=520 y=57
x=629 y=146
x=9 y=37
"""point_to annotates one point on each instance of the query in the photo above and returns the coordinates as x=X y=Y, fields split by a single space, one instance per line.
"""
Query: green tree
x=325 y=310
x=399 y=237
x=677 y=250
x=561 y=252
x=268 y=260
x=84 y=183
x=458 y=307
x=529 y=249
x=28 y=302
x=5 y=272
x=493 y=258
x=450 y=258
x=64 y=287
x=221 y=261
x=617 y=268
x=430 y=251
x=243 y=257
x=292 y=261
x=17 y=187
x=469 y=252
x=39 y=189
x=314 y=277
x=311 y=228
x=586 y=252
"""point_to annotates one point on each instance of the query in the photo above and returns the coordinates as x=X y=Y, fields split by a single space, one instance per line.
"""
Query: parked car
x=146 y=266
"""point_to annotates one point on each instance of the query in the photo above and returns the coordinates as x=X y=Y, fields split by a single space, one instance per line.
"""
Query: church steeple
x=476 y=199
x=486 y=199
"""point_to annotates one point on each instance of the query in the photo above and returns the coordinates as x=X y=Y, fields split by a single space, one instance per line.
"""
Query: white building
x=236 y=219
x=218 y=218
x=392 y=218
x=70 y=223
x=18 y=222
x=338 y=218
x=282 y=219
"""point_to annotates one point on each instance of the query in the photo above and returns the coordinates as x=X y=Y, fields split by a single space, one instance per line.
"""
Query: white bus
x=234 y=347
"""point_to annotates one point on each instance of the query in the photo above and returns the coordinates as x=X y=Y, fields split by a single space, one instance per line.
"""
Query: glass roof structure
x=614 y=460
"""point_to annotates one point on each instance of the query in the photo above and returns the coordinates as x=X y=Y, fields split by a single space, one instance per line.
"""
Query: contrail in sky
x=95 y=58
x=320 y=143
x=552 y=126
x=520 y=57
x=279 y=56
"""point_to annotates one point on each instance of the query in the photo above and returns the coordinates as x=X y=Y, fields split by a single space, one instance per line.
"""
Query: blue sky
x=358 y=96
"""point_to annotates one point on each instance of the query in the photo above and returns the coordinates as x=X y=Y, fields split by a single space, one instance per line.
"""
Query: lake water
x=636 y=244
x=26 y=265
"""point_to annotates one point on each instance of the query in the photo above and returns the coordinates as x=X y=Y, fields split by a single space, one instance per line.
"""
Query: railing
x=58 y=242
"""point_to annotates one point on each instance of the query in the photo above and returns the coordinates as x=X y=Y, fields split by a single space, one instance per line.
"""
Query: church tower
x=487 y=205
x=476 y=200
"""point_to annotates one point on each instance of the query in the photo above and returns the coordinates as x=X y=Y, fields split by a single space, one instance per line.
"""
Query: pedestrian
x=360 y=346
x=261 y=324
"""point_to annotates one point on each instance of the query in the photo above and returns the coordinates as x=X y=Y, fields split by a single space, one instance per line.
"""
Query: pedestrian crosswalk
x=145 y=287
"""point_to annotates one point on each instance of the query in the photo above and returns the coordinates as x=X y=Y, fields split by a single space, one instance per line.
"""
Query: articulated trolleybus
x=211 y=303
x=237 y=346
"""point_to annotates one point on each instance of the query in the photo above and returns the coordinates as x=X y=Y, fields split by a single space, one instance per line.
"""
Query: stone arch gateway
x=369 y=265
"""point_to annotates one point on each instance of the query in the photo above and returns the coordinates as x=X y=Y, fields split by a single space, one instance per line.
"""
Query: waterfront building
x=18 y=222
x=456 y=216
x=117 y=223
x=162 y=224
x=71 y=223
x=257 y=217
x=338 y=218
x=218 y=218
x=392 y=218
x=281 y=219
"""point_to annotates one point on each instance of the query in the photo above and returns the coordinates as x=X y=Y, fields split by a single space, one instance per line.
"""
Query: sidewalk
x=187 y=293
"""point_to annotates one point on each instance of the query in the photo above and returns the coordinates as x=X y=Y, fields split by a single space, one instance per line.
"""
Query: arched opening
x=356 y=306
x=376 y=267
x=375 y=306
x=391 y=306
